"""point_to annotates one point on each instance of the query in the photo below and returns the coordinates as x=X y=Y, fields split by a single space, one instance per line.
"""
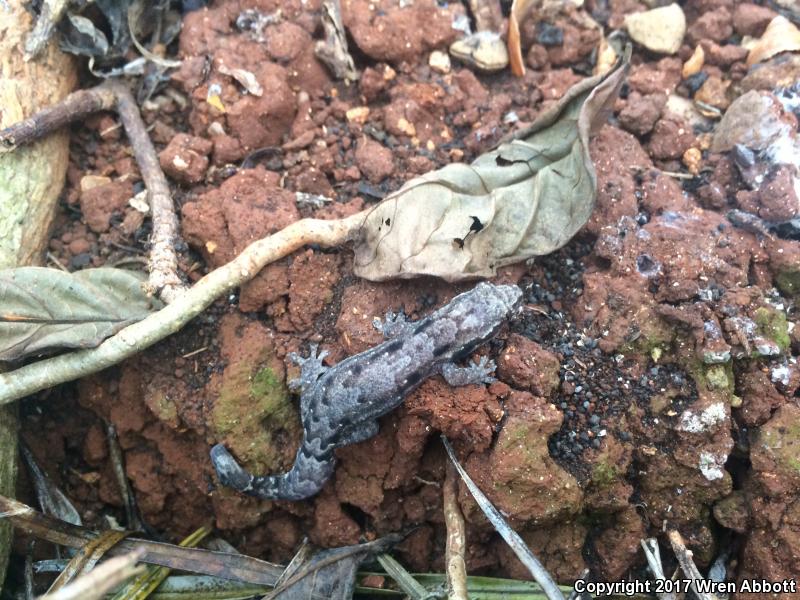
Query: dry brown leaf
x=526 y=198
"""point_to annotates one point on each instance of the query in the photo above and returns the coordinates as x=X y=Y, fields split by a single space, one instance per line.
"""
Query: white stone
x=660 y=29
x=439 y=61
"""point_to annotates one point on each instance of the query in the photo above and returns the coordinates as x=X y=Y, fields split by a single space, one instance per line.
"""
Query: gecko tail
x=305 y=479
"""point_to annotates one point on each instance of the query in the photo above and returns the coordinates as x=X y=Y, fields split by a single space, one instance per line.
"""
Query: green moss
x=604 y=474
x=772 y=325
x=788 y=282
x=711 y=377
x=265 y=383
x=255 y=416
x=717 y=378
x=165 y=409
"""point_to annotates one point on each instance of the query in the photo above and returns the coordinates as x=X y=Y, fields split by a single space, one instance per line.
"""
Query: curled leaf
x=526 y=198
x=44 y=309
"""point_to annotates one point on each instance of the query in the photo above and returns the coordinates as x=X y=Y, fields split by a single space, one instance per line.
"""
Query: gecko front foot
x=393 y=325
x=311 y=368
x=474 y=373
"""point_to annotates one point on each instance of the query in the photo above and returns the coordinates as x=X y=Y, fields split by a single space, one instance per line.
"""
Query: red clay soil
x=649 y=383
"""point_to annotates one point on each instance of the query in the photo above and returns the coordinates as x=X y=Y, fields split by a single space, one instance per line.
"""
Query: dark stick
x=219 y=564
x=74 y=107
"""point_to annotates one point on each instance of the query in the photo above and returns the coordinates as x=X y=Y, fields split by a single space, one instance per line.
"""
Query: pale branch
x=135 y=338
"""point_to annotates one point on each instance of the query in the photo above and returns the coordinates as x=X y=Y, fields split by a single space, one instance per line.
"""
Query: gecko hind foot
x=229 y=472
x=474 y=373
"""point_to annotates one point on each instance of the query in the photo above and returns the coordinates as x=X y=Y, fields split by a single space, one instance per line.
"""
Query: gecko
x=340 y=405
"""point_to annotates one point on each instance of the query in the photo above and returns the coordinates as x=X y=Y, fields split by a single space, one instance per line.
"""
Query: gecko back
x=340 y=405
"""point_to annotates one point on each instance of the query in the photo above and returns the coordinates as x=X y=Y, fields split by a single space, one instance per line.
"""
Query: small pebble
x=439 y=61
x=659 y=30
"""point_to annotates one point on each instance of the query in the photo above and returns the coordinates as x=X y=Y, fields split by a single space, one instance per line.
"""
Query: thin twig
x=54 y=259
x=28 y=572
x=135 y=338
x=688 y=567
x=574 y=594
x=194 y=352
x=456 y=537
x=676 y=175
x=75 y=107
x=132 y=518
x=164 y=279
x=404 y=580
x=653 y=555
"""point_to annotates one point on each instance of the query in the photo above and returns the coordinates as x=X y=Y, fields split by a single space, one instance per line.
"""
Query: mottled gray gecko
x=340 y=405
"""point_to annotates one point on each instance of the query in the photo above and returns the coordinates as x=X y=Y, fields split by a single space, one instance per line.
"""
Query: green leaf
x=526 y=198
x=45 y=309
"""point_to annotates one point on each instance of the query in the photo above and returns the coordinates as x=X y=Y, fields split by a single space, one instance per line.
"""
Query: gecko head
x=505 y=297
x=510 y=295
x=229 y=473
